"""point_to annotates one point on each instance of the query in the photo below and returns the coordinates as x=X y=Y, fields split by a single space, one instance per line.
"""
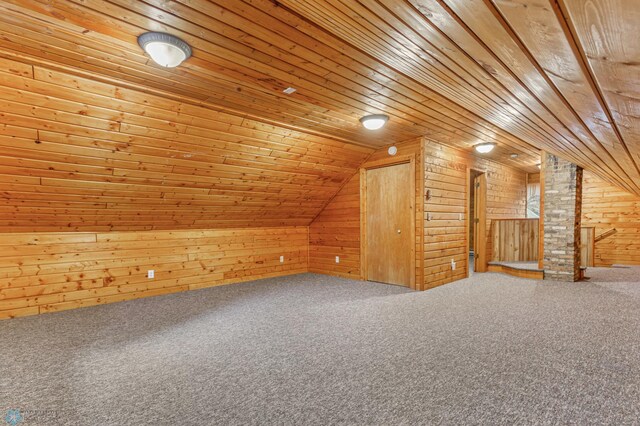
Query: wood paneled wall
x=607 y=207
x=336 y=231
x=78 y=155
x=47 y=272
x=446 y=176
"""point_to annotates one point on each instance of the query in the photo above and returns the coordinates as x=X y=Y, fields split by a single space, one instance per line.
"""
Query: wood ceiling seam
x=525 y=50
x=437 y=60
x=468 y=111
x=489 y=51
x=453 y=60
x=327 y=70
x=560 y=8
x=311 y=23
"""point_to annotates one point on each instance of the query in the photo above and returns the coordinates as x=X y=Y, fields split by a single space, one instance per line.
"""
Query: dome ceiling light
x=485 y=147
x=374 y=122
x=165 y=49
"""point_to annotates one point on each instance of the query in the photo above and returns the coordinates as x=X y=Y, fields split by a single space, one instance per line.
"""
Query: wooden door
x=389 y=224
x=480 y=223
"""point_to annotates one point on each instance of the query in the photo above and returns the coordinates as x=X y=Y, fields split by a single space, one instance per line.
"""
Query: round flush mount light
x=393 y=150
x=485 y=147
x=374 y=122
x=165 y=49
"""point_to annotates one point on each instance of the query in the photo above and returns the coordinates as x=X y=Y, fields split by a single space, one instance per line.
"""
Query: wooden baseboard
x=521 y=273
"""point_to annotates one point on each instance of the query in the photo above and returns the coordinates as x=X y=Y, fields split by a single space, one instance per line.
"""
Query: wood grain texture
x=444 y=174
x=520 y=273
x=78 y=155
x=47 y=272
x=389 y=210
x=479 y=222
x=336 y=230
x=606 y=207
x=514 y=240
x=587 y=246
x=445 y=234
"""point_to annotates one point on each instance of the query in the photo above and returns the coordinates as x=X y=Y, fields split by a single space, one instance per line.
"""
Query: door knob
x=399 y=231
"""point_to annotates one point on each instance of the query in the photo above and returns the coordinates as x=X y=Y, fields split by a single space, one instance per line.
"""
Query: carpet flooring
x=312 y=349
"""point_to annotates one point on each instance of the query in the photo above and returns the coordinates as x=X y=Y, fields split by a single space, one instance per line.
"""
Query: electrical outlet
x=281 y=259
x=453 y=265
x=428 y=216
x=460 y=217
x=337 y=259
x=151 y=273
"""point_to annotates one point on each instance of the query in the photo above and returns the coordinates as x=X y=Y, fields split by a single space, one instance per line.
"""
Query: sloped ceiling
x=531 y=75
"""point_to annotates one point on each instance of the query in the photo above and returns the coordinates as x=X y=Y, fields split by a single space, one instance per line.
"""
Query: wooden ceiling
x=531 y=75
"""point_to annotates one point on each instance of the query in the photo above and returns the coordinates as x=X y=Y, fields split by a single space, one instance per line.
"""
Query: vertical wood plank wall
x=606 y=207
x=335 y=230
x=514 y=240
x=446 y=177
x=46 y=272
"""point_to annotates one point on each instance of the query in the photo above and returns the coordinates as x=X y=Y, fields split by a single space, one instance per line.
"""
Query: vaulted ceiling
x=554 y=75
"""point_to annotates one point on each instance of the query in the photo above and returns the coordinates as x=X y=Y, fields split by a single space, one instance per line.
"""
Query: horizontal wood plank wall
x=514 y=240
x=47 y=272
x=445 y=177
x=607 y=207
x=78 y=155
x=336 y=231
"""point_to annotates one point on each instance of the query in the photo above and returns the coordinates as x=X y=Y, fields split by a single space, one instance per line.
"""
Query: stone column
x=562 y=218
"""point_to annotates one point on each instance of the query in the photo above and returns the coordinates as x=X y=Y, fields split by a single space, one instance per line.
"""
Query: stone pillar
x=562 y=218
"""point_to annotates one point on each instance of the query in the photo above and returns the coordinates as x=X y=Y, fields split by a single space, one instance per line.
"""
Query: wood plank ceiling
x=531 y=75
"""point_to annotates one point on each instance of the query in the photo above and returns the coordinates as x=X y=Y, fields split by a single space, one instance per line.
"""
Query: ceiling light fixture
x=374 y=122
x=514 y=155
x=393 y=150
x=165 y=49
x=485 y=147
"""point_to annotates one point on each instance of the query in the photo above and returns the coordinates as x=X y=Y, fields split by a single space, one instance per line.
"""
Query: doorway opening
x=476 y=221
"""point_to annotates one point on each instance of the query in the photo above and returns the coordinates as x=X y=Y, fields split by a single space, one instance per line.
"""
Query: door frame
x=387 y=162
x=480 y=231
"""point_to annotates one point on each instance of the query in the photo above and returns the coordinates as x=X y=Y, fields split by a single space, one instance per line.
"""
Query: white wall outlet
x=460 y=217
x=337 y=259
x=281 y=259
x=453 y=265
x=428 y=216
x=151 y=273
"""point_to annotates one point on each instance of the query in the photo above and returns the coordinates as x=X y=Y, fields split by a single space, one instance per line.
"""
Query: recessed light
x=485 y=147
x=514 y=155
x=165 y=49
x=374 y=122
x=289 y=90
x=393 y=150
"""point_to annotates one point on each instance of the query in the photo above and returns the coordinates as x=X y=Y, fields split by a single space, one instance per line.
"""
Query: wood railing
x=514 y=240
